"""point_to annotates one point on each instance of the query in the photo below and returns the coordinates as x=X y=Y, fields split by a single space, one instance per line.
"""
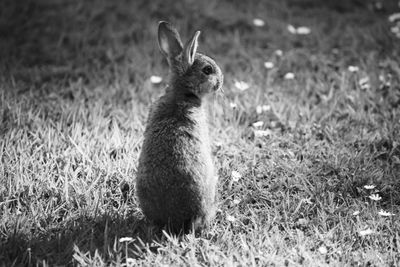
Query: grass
x=74 y=96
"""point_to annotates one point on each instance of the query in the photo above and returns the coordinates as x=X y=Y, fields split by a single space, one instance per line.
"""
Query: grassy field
x=317 y=184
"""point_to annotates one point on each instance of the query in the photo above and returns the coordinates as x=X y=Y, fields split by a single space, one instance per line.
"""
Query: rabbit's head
x=191 y=73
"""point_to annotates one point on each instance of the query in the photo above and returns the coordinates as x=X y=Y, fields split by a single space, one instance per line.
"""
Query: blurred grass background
x=74 y=96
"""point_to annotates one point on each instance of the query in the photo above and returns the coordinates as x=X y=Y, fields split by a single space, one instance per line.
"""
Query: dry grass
x=74 y=95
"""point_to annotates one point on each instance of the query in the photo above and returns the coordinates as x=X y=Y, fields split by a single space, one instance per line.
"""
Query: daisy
x=303 y=30
x=353 y=68
x=258 y=22
x=258 y=124
x=369 y=186
x=268 y=65
x=241 y=85
x=236 y=176
x=262 y=133
x=375 y=197
x=366 y=232
x=289 y=76
x=155 y=79
x=385 y=213
x=125 y=239
x=230 y=218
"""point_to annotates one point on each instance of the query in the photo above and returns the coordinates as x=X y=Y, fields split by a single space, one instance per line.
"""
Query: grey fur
x=176 y=184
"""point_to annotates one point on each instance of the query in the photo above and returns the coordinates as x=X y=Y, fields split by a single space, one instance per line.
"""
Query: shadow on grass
x=31 y=31
x=81 y=236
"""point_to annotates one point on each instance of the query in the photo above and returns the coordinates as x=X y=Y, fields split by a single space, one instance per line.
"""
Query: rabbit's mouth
x=218 y=86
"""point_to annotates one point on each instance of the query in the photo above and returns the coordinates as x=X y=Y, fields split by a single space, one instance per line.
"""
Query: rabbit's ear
x=168 y=40
x=190 y=49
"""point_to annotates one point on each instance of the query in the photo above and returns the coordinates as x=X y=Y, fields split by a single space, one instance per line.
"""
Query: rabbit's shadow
x=83 y=237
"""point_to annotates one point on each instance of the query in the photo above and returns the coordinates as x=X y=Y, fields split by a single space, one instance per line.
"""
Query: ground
x=315 y=181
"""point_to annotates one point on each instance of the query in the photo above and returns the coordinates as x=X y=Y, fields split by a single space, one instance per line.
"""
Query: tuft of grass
x=74 y=95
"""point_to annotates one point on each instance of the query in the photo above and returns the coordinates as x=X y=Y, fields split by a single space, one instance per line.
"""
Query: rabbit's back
x=175 y=180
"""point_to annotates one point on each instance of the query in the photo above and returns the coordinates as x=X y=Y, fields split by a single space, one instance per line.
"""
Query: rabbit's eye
x=207 y=70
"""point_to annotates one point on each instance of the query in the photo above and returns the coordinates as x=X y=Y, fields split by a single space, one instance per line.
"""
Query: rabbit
x=176 y=184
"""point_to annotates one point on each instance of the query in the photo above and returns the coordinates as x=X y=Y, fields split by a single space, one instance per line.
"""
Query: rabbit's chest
x=194 y=138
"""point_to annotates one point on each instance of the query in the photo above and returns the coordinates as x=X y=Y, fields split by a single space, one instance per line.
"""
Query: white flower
x=155 y=79
x=303 y=30
x=385 y=213
x=289 y=76
x=356 y=213
x=262 y=133
x=125 y=239
x=394 y=17
x=263 y=108
x=258 y=22
x=279 y=53
x=241 y=85
x=236 y=176
x=236 y=201
x=375 y=197
x=353 y=68
x=230 y=218
x=233 y=105
x=258 y=124
x=268 y=64
x=291 y=29
x=323 y=250
x=369 y=186
x=266 y=108
x=364 y=83
x=395 y=29
x=365 y=232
